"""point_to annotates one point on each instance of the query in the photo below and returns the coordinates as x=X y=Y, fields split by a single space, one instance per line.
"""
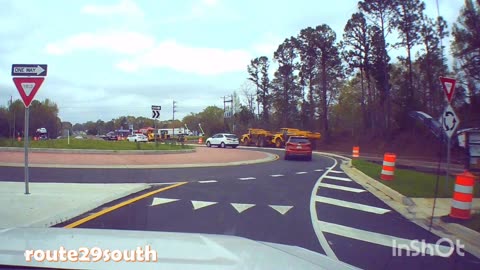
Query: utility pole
x=225 y=114
x=173 y=118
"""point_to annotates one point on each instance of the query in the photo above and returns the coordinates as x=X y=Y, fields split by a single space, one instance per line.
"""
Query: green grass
x=473 y=223
x=93 y=144
x=411 y=183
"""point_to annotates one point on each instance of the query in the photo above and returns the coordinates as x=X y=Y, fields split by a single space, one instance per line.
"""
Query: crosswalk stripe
x=382 y=239
x=351 y=205
x=356 y=190
x=337 y=178
x=332 y=171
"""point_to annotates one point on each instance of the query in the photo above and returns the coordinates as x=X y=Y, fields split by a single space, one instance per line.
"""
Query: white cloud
x=267 y=45
x=124 y=8
x=118 y=42
x=179 y=57
x=210 y=2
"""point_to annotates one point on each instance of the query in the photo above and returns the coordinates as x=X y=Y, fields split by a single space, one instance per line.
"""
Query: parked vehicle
x=298 y=146
x=137 y=138
x=223 y=140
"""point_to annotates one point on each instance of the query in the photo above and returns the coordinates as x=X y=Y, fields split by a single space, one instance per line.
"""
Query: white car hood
x=175 y=250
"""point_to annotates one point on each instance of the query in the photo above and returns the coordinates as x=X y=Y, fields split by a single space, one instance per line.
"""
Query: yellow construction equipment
x=264 y=138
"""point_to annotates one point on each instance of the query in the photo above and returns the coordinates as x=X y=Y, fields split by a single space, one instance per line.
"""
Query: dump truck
x=264 y=138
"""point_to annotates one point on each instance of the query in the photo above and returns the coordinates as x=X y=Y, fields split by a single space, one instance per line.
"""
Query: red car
x=298 y=146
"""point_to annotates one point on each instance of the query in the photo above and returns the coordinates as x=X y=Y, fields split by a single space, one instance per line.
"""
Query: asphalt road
x=313 y=205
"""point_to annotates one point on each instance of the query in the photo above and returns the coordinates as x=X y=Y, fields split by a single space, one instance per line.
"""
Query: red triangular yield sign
x=28 y=87
x=448 y=85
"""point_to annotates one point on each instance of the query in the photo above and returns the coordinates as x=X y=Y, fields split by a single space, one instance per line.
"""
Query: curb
x=72 y=213
x=269 y=158
x=406 y=207
x=96 y=151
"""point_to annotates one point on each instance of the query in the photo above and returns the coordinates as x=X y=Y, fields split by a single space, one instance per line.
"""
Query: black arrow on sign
x=155 y=114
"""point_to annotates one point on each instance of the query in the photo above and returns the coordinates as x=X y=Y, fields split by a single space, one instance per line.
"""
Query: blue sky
x=118 y=57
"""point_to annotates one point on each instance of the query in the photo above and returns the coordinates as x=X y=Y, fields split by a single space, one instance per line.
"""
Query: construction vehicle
x=264 y=138
x=258 y=137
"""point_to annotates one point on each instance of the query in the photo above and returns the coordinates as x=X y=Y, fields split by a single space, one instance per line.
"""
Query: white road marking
x=356 y=190
x=382 y=239
x=282 y=209
x=319 y=170
x=356 y=206
x=240 y=207
x=201 y=204
x=314 y=216
x=332 y=171
x=207 y=181
x=300 y=172
x=247 y=178
x=338 y=178
x=157 y=201
x=277 y=175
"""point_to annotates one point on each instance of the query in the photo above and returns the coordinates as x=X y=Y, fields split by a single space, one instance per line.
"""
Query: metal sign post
x=25 y=144
x=450 y=123
x=155 y=115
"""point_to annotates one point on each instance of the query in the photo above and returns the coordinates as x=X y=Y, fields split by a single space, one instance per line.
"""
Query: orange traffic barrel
x=356 y=152
x=463 y=196
x=200 y=140
x=19 y=138
x=388 y=168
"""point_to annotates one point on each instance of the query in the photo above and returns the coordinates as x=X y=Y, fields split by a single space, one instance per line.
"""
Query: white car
x=137 y=138
x=223 y=140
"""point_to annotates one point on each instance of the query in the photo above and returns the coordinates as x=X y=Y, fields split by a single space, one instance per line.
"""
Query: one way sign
x=29 y=70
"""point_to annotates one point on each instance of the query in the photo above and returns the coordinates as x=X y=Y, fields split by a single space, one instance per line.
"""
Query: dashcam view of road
x=212 y=134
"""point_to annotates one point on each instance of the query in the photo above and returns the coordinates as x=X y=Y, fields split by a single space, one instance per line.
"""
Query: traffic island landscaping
x=419 y=185
x=94 y=145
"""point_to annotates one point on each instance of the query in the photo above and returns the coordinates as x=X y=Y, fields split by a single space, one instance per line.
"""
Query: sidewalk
x=201 y=157
x=51 y=203
x=419 y=210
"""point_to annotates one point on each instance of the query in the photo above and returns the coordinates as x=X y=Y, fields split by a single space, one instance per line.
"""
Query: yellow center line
x=122 y=204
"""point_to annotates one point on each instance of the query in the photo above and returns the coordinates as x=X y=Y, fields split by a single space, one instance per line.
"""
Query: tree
x=380 y=13
x=466 y=43
x=258 y=71
x=286 y=92
x=331 y=70
x=357 y=40
x=407 y=19
x=212 y=120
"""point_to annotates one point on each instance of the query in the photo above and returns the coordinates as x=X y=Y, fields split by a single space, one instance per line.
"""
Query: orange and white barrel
x=356 y=152
x=463 y=196
x=388 y=168
x=200 y=140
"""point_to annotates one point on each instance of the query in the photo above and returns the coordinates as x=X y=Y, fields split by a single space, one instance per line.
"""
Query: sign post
x=155 y=115
x=27 y=88
x=450 y=121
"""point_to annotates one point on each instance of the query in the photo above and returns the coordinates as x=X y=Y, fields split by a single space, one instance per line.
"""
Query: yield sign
x=448 y=85
x=27 y=87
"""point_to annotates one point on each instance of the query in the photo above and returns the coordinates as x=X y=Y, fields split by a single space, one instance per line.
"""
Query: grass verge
x=94 y=144
x=411 y=183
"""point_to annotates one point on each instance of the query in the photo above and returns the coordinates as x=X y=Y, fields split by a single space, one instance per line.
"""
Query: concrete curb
x=72 y=213
x=95 y=151
x=407 y=208
x=269 y=158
